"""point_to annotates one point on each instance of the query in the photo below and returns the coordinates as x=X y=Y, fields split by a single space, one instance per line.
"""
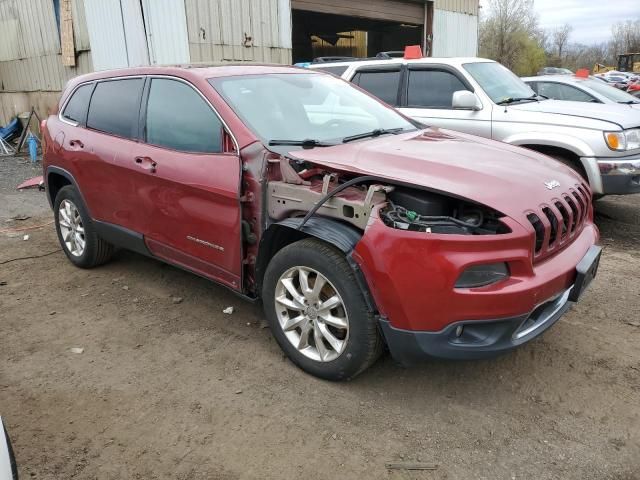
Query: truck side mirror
x=465 y=100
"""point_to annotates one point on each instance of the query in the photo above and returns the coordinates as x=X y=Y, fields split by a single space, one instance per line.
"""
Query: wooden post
x=66 y=34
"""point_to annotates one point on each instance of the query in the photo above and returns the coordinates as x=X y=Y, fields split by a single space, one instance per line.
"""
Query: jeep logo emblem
x=551 y=184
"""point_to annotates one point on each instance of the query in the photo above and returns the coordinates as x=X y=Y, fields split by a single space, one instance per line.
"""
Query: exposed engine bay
x=305 y=188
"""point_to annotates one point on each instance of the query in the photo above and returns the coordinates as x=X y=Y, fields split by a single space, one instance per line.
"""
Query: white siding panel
x=80 y=32
x=106 y=34
x=166 y=31
x=134 y=33
x=454 y=34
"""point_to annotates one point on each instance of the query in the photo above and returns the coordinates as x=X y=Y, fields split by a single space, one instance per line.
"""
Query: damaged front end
x=304 y=190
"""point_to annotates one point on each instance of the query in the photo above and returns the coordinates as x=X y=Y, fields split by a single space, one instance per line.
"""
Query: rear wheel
x=76 y=233
x=317 y=312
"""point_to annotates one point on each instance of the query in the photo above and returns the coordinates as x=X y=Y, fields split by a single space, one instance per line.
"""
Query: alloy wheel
x=71 y=228
x=312 y=314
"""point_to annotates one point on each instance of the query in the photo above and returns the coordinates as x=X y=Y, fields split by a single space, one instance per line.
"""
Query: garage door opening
x=319 y=34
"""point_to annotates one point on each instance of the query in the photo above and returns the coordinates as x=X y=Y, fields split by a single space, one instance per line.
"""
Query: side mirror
x=466 y=100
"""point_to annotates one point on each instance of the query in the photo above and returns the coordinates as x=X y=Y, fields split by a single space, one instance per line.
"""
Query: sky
x=591 y=19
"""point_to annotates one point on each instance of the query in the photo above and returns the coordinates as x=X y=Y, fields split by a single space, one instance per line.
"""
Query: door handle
x=77 y=144
x=147 y=163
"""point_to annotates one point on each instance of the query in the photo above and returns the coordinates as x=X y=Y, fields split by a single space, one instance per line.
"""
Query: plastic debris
x=77 y=350
x=176 y=300
x=25 y=238
x=228 y=310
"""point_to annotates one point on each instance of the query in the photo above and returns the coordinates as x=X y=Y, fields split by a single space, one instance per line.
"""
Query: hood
x=621 y=115
x=508 y=179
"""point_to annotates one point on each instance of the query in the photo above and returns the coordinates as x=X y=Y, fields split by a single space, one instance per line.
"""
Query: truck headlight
x=482 y=275
x=624 y=140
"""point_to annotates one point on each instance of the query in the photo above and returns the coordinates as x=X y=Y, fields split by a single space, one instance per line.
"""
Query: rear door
x=382 y=81
x=102 y=148
x=428 y=94
x=188 y=175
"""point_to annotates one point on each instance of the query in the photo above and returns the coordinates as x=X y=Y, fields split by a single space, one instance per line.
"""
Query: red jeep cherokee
x=355 y=225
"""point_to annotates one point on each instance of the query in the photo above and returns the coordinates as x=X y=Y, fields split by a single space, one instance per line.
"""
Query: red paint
x=412 y=52
x=169 y=196
x=31 y=183
x=582 y=73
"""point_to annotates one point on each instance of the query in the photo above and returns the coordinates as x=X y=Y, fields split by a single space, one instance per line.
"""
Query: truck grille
x=558 y=222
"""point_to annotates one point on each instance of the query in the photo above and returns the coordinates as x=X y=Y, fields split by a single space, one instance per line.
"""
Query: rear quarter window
x=115 y=107
x=76 y=108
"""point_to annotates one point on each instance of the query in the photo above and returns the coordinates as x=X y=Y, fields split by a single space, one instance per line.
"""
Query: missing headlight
x=482 y=275
x=429 y=212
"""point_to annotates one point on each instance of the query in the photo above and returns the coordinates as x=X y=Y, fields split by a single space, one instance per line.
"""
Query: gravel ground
x=169 y=387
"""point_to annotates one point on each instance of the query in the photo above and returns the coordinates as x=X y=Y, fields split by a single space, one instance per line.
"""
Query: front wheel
x=317 y=313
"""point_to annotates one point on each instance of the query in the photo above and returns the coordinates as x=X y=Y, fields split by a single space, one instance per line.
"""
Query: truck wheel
x=76 y=232
x=317 y=313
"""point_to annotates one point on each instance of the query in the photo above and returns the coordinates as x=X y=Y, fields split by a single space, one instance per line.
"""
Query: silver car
x=481 y=97
x=580 y=89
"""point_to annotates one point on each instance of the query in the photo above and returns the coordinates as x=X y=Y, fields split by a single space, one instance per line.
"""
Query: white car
x=482 y=97
x=8 y=470
x=579 y=89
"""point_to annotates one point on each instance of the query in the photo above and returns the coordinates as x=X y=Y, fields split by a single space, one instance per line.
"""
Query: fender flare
x=66 y=174
x=575 y=145
x=341 y=235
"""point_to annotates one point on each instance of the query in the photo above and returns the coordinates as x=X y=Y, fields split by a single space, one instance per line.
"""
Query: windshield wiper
x=510 y=100
x=373 y=133
x=306 y=143
x=630 y=102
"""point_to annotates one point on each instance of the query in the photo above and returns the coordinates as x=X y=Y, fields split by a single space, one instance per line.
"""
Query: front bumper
x=620 y=176
x=474 y=339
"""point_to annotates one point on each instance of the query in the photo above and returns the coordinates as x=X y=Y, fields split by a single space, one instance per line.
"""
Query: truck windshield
x=307 y=109
x=500 y=83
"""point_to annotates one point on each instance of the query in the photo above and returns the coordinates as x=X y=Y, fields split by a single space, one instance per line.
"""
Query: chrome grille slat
x=558 y=222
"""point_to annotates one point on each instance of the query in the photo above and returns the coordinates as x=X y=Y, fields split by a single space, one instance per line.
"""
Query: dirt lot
x=177 y=389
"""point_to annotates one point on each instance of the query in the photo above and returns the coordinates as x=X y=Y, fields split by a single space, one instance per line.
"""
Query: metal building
x=43 y=43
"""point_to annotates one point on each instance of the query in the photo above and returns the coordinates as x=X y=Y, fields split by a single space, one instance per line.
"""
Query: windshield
x=306 y=107
x=498 y=82
x=608 y=91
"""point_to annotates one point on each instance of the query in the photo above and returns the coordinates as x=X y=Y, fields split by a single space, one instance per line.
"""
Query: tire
x=340 y=354
x=96 y=251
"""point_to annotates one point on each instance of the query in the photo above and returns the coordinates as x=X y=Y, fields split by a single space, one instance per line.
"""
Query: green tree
x=509 y=34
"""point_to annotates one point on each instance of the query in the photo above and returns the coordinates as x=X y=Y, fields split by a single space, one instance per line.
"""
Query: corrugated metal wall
x=166 y=27
x=239 y=30
x=462 y=6
x=30 y=57
x=454 y=34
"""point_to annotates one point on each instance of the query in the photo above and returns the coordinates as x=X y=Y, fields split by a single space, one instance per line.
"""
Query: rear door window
x=432 y=88
x=384 y=84
x=76 y=109
x=180 y=119
x=559 y=91
x=115 y=107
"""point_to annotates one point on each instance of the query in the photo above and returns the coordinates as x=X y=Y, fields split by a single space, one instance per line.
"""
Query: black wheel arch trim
x=66 y=174
x=341 y=235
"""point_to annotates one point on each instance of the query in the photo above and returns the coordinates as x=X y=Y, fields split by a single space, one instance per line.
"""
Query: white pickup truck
x=484 y=98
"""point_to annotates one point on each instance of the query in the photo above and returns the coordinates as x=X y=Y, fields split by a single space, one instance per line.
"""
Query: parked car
x=555 y=71
x=579 y=89
x=8 y=468
x=482 y=97
x=355 y=225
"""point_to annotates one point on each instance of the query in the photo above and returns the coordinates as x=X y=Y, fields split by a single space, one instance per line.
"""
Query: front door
x=428 y=99
x=189 y=186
